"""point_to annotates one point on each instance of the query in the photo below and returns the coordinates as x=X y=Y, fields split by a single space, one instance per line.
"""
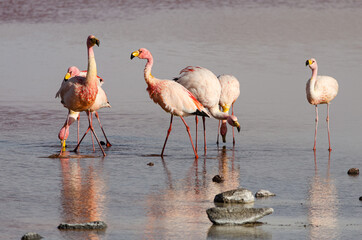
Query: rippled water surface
x=264 y=45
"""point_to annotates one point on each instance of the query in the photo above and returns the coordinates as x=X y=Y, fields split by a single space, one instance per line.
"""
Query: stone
x=96 y=225
x=218 y=179
x=360 y=198
x=150 y=164
x=31 y=236
x=353 y=171
x=263 y=193
x=236 y=215
x=240 y=195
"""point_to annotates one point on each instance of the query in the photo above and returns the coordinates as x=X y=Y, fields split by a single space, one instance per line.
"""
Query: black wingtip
x=201 y=113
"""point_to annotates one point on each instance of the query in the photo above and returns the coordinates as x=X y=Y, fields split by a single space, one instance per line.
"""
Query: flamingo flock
x=196 y=91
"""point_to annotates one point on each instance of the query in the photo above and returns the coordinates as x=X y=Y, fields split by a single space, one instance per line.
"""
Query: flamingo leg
x=232 y=112
x=168 y=133
x=78 y=129
x=77 y=147
x=99 y=121
x=316 y=126
x=95 y=135
x=329 y=138
x=188 y=131
x=197 y=122
x=218 y=130
x=90 y=127
x=203 y=121
x=91 y=119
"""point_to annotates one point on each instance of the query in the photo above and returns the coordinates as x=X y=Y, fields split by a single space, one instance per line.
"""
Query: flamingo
x=171 y=96
x=79 y=93
x=230 y=91
x=320 y=90
x=100 y=102
x=205 y=86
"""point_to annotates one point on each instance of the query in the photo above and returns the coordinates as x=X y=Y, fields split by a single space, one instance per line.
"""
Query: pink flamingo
x=171 y=96
x=79 y=93
x=100 y=102
x=320 y=90
x=205 y=86
x=230 y=91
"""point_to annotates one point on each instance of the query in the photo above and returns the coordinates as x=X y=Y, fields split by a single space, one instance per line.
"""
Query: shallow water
x=264 y=45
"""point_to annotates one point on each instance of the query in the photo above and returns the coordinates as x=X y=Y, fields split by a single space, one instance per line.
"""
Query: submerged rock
x=236 y=215
x=263 y=193
x=96 y=225
x=31 y=236
x=353 y=171
x=240 y=195
x=360 y=198
x=218 y=179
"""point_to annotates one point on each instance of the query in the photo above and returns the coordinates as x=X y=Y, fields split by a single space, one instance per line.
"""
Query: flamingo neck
x=313 y=81
x=91 y=77
x=216 y=113
x=150 y=80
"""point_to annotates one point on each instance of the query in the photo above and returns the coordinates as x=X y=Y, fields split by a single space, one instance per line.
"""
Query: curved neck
x=92 y=67
x=216 y=113
x=147 y=72
x=313 y=80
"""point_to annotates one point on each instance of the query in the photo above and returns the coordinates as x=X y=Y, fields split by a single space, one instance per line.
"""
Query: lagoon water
x=265 y=45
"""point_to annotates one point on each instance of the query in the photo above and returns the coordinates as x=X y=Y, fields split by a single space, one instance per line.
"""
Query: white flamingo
x=205 y=86
x=230 y=91
x=320 y=90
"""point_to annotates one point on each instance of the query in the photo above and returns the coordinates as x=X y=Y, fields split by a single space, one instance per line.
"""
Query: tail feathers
x=201 y=113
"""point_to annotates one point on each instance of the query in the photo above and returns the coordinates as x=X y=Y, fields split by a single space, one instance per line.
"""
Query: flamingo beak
x=135 y=54
x=223 y=138
x=308 y=62
x=67 y=76
x=237 y=125
x=63 y=145
x=97 y=42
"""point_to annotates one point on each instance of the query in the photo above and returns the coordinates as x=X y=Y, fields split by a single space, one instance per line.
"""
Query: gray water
x=264 y=45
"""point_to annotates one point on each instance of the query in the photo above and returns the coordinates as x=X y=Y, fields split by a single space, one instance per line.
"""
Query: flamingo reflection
x=183 y=201
x=323 y=205
x=82 y=194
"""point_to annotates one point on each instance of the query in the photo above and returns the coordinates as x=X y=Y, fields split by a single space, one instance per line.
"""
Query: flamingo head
x=141 y=53
x=92 y=40
x=223 y=131
x=312 y=63
x=72 y=72
x=233 y=121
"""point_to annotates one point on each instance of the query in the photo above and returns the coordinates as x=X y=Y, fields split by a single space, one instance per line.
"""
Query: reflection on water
x=323 y=208
x=180 y=201
x=82 y=193
x=237 y=232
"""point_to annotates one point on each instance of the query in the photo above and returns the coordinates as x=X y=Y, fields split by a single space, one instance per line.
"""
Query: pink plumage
x=171 y=96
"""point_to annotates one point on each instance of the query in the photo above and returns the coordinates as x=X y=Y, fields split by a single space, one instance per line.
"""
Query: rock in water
x=236 y=215
x=263 y=193
x=31 y=236
x=240 y=195
x=353 y=171
x=96 y=225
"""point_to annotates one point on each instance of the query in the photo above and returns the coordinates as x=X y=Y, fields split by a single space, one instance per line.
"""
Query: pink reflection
x=82 y=193
x=323 y=208
x=185 y=201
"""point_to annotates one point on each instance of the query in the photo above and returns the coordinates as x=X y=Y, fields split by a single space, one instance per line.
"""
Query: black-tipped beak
x=132 y=56
x=98 y=42
x=238 y=128
x=224 y=138
x=307 y=63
